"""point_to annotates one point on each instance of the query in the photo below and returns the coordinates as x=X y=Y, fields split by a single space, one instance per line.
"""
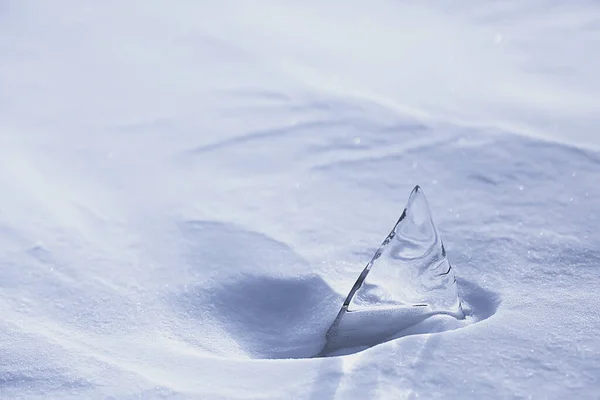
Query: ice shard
x=408 y=279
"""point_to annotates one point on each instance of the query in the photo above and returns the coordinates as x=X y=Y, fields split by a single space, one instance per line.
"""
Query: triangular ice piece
x=408 y=280
x=410 y=267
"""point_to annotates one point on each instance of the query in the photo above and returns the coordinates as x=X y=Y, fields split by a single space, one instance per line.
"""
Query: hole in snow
x=264 y=317
x=248 y=315
x=267 y=317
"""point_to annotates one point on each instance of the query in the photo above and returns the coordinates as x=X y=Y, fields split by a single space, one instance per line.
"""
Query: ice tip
x=417 y=199
x=417 y=192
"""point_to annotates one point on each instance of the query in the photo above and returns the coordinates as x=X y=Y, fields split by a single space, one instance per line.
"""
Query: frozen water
x=408 y=280
x=411 y=267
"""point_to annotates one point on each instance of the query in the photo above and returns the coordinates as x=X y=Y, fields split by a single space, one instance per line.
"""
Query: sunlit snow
x=188 y=191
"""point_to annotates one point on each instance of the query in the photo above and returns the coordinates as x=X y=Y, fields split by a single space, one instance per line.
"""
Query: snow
x=189 y=190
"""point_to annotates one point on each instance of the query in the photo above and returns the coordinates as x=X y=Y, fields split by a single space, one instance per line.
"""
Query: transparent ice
x=408 y=279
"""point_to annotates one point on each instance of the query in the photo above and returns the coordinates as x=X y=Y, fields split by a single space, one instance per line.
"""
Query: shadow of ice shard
x=409 y=280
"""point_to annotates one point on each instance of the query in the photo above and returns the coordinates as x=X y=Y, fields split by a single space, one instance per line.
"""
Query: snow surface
x=189 y=189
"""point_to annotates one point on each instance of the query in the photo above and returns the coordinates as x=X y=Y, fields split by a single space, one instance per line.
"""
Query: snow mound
x=252 y=304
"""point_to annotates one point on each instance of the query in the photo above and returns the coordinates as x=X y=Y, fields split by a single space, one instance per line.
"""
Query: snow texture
x=188 y=191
